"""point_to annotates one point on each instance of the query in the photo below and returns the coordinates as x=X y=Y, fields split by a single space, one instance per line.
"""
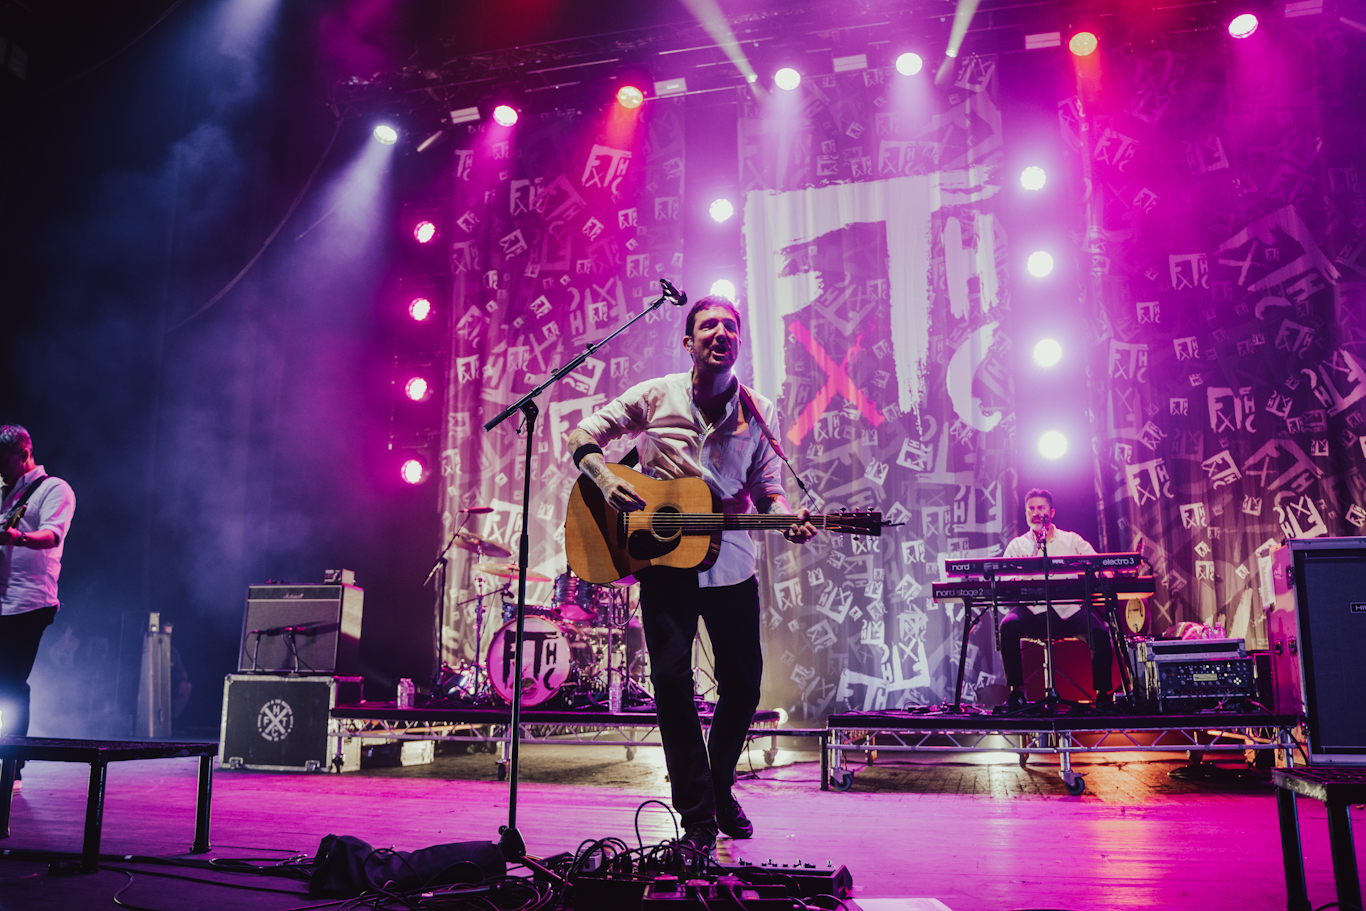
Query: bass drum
x=546 y=660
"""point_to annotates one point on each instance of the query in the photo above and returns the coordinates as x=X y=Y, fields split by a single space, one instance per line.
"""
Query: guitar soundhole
x=659 y=539
x=665 y=531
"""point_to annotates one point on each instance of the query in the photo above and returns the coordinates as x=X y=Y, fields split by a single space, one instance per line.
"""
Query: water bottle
x=406 y=691
x=614 y=693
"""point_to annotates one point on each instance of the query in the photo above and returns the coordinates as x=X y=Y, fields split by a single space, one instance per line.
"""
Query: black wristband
x=584 y=451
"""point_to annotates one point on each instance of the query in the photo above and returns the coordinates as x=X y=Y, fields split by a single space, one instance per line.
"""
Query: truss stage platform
x=870 y=733
x=491 y=727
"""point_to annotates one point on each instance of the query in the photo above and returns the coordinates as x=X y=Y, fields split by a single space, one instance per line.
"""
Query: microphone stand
x=510 y=841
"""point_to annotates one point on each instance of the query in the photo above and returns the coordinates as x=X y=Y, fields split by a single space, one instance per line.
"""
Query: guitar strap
x=747 y=398
x=28 y=492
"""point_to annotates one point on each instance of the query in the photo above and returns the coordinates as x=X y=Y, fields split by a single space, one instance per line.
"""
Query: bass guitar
x=680 y=526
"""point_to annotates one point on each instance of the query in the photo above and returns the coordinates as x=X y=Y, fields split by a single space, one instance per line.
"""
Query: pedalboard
x=756 y=887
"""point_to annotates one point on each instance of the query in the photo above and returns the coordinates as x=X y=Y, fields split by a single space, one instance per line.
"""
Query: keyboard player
x=1068 y=619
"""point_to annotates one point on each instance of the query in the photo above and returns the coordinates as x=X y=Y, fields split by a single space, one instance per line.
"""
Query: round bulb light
x=1052 y=445
x=1083 y=44
x=1039 y=264
x=787 y=78
x=908 y=64
x=420 y=308
x=411 y=471
x=721 y=209
x=416 y=389
x=505 y=115
x=628 y=96
x=1243 y=26
x=386 y=134
x=1033 y=178
x=1047 y=353
x=424 y=231
x=723 y=288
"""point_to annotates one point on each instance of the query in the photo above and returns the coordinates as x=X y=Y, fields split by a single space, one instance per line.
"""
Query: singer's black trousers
x=1022 y=623
x=671 y=602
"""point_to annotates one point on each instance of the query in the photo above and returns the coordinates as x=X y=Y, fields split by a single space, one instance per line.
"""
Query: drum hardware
x=468 y=540
x=438 y=571
x=508 y=571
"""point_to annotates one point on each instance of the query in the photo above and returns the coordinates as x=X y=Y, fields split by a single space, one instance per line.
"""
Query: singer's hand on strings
x=619 y=494
x=800 y=531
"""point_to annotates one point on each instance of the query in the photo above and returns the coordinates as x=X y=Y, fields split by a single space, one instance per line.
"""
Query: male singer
x=700 y=424
x=1068 y=619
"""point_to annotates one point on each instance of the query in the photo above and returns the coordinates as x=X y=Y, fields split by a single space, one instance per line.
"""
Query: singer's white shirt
x=675 y=440
x=1060 y=544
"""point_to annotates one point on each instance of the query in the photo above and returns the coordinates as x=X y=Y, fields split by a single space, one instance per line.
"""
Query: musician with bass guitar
x=696 y=425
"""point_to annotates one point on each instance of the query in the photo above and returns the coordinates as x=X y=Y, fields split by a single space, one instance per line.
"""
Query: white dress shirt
x=1060 y=544
x=676 y=441
x=28 y=577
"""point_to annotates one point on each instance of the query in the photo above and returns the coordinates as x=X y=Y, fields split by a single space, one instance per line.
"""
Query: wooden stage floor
x=977 y=833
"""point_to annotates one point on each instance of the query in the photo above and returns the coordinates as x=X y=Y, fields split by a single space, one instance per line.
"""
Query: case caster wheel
x=842 y=779
x=1075 y=785
x=502 y=771
x=630 y=753
x=770 y=757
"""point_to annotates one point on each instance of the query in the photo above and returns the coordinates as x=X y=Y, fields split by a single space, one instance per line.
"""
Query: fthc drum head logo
x=275 y=720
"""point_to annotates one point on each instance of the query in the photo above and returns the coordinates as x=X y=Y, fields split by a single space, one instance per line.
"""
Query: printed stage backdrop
x=1227 y=297
x=872 y=237
x=563 y=227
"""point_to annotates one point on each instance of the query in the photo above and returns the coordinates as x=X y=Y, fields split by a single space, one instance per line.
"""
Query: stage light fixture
x=420 y=308
x=630 y=97
x=412 y=471
x=1083 y=44
x=417 y=389
x=723 y=288
x=721 y=209
x=1039 y=264
x=1047 y=353
x=424 y=231
x=787 y=78
x=1052 y=445
x=1033 y=178
x=1243 y=26
x=908 y=64
x=505 y=115
x=386 y=134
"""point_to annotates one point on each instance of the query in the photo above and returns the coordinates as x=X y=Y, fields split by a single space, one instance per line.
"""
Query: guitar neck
x=707 y=522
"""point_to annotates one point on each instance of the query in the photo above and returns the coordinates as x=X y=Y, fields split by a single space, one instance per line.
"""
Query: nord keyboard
x=1026 y=565
x=1011 y=591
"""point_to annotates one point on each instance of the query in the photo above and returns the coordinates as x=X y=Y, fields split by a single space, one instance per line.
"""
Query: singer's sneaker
x=731 y=819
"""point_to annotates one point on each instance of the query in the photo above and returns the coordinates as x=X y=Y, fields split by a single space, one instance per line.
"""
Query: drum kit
x=575 y=648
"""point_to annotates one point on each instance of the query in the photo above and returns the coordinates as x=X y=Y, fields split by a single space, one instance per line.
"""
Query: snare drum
x=547 y=659
x=580 y=601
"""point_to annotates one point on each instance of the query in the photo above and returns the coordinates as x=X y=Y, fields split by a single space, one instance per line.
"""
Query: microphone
x=677 y=298
x=478 y=510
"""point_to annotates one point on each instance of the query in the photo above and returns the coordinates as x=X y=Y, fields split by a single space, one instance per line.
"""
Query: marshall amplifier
x=301 y=629
x=279 y=724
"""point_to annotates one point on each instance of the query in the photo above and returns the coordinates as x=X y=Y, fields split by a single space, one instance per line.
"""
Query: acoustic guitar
x=680 y=526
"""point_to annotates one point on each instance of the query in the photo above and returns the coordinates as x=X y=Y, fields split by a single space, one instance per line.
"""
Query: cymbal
x=468 y=540
x=508 y=571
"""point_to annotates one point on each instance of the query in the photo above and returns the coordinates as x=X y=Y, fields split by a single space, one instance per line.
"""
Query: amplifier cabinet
x=1330 y=600
x=319 y=625
x=278 y=723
